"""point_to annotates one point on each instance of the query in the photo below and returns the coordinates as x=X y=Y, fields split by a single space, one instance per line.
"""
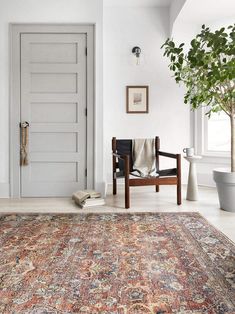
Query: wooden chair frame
x=171 y=180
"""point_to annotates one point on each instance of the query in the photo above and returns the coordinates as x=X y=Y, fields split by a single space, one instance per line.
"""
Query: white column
x=192 y=189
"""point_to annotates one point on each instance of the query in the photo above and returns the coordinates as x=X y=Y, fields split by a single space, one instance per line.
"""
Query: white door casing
x=56 y=101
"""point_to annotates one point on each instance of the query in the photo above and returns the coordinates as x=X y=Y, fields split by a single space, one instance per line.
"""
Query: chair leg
x=114 y=169
x=179 y=198
x=127 y=195
x=114 y=186
x=157 y=188
x=179 y=194
x=127 y=186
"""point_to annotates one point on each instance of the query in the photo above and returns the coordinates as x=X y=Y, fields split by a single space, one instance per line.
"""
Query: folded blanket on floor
x=144 y=162
x=81 y=196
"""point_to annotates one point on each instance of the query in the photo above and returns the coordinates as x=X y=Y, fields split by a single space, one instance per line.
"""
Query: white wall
x=124 y=28
x=175 y=9
x=168 y=116
x=48 y=11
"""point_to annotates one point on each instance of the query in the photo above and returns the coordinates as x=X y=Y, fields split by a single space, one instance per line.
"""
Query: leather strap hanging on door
x=24 y=134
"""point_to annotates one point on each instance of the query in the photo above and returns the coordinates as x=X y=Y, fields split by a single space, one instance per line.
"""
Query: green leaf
x=208 y=65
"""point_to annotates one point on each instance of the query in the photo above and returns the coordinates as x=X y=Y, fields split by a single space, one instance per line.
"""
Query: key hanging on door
x=24 y=134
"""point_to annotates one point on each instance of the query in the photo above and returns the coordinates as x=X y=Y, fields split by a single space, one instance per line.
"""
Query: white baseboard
x=4 y=190
x=205 y=179
x=101 y=187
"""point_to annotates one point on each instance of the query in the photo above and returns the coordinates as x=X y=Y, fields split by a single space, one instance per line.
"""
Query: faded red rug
x=115 y=264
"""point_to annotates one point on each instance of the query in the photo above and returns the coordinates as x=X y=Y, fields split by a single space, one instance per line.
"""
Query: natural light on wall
x=218 y=133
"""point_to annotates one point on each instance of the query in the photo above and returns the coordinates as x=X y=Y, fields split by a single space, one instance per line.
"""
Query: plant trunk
x=232 y=118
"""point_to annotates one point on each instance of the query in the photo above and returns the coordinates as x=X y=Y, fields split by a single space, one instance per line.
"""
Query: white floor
x=143 y=199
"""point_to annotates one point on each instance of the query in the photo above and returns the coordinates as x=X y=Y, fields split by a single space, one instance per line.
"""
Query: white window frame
x=200 y=136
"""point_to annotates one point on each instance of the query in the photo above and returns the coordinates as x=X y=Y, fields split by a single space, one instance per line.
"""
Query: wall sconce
x=136 y=52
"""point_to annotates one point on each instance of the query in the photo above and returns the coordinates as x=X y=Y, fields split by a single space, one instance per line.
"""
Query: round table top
x=193 y=158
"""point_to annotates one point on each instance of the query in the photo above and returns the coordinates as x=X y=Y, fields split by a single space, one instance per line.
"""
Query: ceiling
x=198 y=11
x=137 y=3
x=193 y=11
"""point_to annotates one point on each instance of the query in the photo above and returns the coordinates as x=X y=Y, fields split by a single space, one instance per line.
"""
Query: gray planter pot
x=225 y=183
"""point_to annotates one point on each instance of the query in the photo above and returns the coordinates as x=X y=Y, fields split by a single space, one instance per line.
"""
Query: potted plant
x=208 y=72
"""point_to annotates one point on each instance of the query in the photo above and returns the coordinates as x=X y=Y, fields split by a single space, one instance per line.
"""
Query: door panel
x=53 y=101
x=53 y=142
x=53 y=172
x=53 y=52
x=53 y=82
x=44 y=112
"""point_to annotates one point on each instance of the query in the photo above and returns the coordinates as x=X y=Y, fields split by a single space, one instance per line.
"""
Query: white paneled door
x=53 y=102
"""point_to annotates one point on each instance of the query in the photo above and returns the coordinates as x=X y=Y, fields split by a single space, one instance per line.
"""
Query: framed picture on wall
x=137 y=99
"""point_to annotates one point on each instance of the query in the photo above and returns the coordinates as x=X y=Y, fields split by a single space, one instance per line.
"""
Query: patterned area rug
x=115 y=264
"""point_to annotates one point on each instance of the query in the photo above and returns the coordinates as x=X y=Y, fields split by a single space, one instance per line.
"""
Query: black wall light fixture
x=137 y=51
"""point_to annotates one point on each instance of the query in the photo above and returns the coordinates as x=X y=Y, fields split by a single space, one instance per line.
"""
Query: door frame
x=15 y=34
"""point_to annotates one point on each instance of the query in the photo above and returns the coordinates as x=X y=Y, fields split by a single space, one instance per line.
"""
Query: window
x=217 y=133
x=212 y=135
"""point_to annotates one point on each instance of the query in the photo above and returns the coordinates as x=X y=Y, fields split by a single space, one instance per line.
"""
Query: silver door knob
x=24 y=124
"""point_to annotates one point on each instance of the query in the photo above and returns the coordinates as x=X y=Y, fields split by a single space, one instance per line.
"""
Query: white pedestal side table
x=192 y=189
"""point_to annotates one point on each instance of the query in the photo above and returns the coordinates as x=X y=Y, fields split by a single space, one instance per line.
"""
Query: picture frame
x=137 y=99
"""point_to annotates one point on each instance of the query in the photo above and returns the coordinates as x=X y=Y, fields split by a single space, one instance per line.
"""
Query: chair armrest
x=123 y=157
x=126 y=159
x=169 y=155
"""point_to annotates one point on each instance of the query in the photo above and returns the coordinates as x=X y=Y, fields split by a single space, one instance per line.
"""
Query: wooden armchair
x=122 y=160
